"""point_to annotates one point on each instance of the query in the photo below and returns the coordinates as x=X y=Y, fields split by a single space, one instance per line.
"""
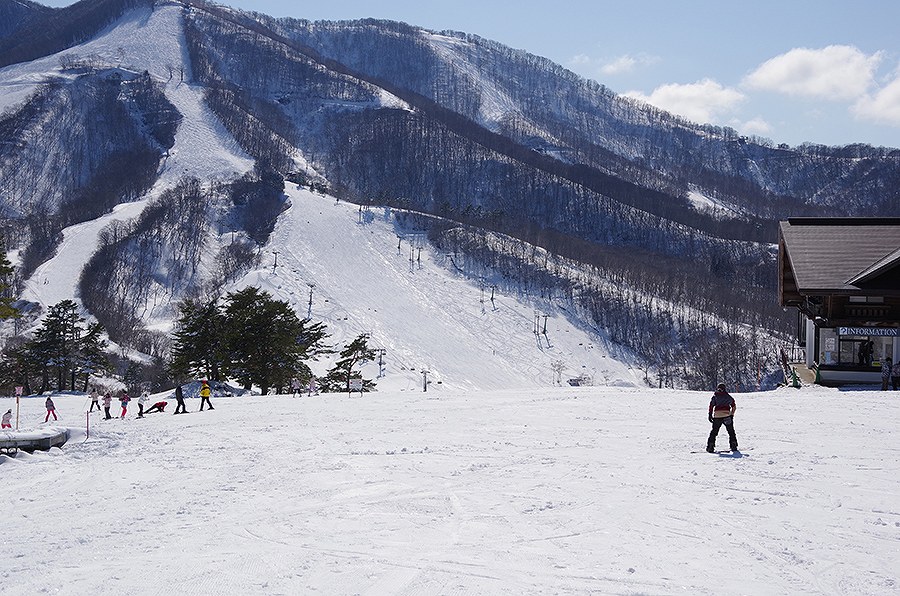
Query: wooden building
x=843 y=274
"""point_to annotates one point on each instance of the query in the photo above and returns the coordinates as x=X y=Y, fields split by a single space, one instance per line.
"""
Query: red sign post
x=18 y=396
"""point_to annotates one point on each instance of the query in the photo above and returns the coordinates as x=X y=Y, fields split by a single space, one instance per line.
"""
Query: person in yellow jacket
x=205 y=392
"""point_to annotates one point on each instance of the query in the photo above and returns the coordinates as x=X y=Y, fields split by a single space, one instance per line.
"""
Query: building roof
x=842 y=255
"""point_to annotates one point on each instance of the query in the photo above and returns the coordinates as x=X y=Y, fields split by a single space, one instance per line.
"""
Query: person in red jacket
x=721 y=411
x=159 y=406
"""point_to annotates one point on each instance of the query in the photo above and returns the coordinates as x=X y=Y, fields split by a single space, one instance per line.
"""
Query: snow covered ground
x=556 y=491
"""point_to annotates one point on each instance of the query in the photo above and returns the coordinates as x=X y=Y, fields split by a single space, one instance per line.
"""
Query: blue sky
x=793 y=71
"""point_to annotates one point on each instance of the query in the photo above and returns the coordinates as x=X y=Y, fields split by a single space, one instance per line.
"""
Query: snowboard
x=737 y=453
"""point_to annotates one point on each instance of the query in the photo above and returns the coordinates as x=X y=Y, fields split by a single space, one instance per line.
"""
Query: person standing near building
x=205 y=392
x=107 y=404
x=95 y=399
x=885 y=373
x=721 y=411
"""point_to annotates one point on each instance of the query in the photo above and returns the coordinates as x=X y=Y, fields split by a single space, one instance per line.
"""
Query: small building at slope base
x=843 y=275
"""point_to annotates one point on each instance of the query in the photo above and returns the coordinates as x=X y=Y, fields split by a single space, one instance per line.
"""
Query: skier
x=179 y=397
x=205 y=392
x=721 y=411
x=124 y=399
x=145 y=395
x=295 y=386
x=6 y=419
x=51 y=409
x=159 y=406
x=95 y=399
x=107 y=402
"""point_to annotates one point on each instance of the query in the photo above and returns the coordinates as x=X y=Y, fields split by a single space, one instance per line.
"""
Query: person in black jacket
x=721 y=411
x=179 y=397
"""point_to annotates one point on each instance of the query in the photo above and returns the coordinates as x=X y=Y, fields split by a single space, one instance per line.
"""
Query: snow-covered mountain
x=144 y=147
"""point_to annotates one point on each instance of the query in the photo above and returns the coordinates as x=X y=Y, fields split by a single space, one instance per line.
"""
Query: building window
x=867 y=299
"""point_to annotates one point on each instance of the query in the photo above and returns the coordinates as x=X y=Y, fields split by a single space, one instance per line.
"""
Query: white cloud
x=627 y=63
x=621 y=64
x=704 y=101
x=580 y=59
x=833 y=73
x=754 y=126
x=883 y=107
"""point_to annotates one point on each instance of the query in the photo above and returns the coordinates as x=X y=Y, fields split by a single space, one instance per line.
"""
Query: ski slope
x=553 y=491
x=425 y=317
x=149 y=40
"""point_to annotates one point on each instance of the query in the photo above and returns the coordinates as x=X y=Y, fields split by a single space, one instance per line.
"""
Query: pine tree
x=266 y=342
x=132 y=377
x=56 y=341
x=62 y=349
x=7 y=311
x=356 y=353
x=198 y=340
x=90 y=357
x=17 y=368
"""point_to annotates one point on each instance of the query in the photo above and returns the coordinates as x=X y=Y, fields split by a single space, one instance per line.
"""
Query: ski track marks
x=426 y=317
x=565 y=491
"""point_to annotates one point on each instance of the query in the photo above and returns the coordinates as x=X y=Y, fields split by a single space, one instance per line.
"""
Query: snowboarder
x=159 y=406
x=6 y=419
x=885 y=373
x=179 y=397
x=51 y=409
x=205 y=392
x=145 y=395
x=124 y=399
x=721 y=411
x=95 y=399
x=107 y=402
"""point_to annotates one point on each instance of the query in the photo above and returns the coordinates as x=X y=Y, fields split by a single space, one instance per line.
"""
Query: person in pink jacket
x=51 y=409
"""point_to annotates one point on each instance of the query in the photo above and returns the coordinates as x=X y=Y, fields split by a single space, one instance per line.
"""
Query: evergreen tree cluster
x=6 y=270
x=62 y=354
x=258 y=341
